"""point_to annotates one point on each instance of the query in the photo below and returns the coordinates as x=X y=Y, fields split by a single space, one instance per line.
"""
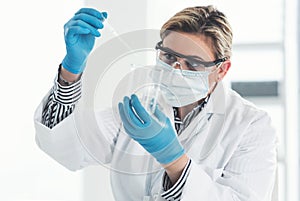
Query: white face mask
x=181 y=87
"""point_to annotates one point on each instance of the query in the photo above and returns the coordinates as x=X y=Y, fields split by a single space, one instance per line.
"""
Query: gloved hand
x=79 y=33
x=156 y=136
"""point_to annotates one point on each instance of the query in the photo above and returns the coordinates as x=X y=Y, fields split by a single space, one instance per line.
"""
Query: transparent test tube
x=151 y=93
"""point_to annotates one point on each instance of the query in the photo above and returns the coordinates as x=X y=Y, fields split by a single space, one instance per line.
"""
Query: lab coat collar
x=215 y=105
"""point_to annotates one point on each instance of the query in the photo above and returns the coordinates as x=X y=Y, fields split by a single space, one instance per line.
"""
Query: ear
x=223 y=69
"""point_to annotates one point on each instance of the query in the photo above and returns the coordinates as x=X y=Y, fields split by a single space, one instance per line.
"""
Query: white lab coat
x=231 y=143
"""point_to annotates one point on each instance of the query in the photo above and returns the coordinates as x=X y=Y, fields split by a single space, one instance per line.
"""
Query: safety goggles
x=192 y=63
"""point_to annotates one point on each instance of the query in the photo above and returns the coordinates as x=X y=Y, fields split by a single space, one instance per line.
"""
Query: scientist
x=216 y=146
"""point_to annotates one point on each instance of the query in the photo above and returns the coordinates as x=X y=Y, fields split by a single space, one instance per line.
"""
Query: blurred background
x=265 y=70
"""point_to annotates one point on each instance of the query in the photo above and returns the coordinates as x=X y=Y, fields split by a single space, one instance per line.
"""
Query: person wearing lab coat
x=211 y=145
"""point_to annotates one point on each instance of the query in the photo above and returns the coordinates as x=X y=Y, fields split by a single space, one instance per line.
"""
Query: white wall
x=32 y=46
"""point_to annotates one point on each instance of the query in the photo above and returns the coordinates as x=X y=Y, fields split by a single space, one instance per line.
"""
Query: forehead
x=190 y=44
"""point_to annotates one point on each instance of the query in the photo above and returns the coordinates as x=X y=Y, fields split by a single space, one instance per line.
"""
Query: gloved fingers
x=93 y=12
x=92 y=20
x=159 y=114
x=140 y=110
x=85 y=25
x=132 y=115
x=71 y=34
x=126 y=124
x=104 y=14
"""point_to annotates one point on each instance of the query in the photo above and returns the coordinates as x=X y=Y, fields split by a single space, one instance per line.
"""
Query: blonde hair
x=205 y=20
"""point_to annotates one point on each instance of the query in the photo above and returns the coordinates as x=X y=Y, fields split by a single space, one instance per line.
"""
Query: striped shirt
x=61 y=103
x=180 y=125
x=174 y=192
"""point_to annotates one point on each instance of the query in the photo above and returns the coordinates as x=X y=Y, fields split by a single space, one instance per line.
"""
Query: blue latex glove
x=156 y=136
x=80 y=32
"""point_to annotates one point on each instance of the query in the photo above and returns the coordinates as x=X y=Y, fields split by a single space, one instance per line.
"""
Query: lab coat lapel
x=206 y=129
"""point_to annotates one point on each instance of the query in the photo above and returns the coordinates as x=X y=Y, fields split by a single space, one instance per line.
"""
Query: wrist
x=68 y=76
x=171 y=150
x=74 y=65
x=175 y=168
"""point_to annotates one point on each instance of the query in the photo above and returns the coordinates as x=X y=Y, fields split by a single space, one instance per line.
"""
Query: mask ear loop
x=218 y=79
x=218 y=67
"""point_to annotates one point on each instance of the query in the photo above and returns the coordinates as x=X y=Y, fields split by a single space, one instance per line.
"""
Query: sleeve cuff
x=174 y=192
x=67 y=94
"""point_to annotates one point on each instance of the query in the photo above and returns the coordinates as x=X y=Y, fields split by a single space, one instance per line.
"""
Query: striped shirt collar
x=180 y=125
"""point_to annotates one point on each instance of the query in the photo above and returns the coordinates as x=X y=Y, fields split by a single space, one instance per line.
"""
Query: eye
x=191 y=66
x=168 y=57
x=195 y=65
